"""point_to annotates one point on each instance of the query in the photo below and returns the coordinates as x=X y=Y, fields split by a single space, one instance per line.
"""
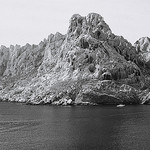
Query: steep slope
x=89 y=64
x=143 y=48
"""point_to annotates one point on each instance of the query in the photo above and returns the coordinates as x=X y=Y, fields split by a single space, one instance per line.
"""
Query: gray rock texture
x=88 y=65
x=143 y=49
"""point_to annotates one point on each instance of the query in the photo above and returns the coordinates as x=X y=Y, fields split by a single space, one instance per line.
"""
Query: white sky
x=30 y=21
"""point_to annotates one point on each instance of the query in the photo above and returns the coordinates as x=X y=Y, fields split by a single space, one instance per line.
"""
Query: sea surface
x=26 y=127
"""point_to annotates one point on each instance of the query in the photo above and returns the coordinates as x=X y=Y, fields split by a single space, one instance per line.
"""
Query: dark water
x=25 y=127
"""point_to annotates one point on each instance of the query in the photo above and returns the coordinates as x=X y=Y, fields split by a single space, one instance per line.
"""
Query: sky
x=30 y=21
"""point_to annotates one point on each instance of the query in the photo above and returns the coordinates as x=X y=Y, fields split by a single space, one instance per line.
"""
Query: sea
x=45 y=127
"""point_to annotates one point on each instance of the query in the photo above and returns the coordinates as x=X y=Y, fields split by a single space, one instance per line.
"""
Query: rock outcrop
x=143 y=49
x=107 y=92
x=88 y=65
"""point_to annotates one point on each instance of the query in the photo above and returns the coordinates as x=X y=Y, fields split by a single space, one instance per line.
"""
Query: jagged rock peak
x=58 y=36
x=143 y=44
x=87 y=25
x=143 y=48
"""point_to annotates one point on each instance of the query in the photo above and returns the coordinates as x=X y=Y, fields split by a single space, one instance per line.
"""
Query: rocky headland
x=88 y=65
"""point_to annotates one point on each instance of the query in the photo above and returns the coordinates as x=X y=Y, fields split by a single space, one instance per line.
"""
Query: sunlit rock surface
x=88 y=65
x=143 y=48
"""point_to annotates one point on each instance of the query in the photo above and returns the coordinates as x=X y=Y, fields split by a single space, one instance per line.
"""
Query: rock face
x=88 y=65
x=143 y=44
x=108 y=92
x=143 y=49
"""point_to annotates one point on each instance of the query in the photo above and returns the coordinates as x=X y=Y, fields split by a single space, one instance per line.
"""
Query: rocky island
x=88 y=65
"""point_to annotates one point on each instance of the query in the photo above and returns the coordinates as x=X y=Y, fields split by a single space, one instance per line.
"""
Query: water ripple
x=10 y=126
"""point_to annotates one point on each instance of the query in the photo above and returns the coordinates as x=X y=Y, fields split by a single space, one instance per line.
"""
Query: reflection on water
x=25 y=127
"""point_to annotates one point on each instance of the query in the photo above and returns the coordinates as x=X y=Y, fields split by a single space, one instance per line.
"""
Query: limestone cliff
x=143 y=48
x=89 y=64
